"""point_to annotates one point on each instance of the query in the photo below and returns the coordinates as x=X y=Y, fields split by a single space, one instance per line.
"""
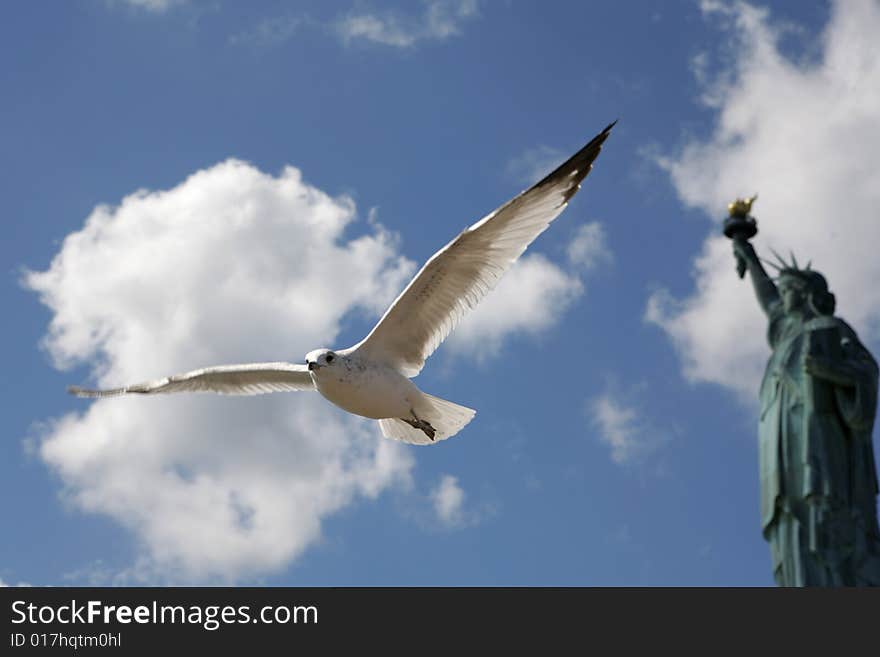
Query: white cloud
x=626 y=429
x=157 y=6
x=5 y=585
x=98 y=573
x=805 y=135
x=448 y=501
x=232 y=265
x=589 y=248
x=386 y=30
x=269 y=31
x=532 y=297
x=451 y=508
x=620 y=427
x=440 y=20
x=529 y=299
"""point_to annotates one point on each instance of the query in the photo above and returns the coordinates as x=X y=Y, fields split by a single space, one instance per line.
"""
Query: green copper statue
x=818 y=400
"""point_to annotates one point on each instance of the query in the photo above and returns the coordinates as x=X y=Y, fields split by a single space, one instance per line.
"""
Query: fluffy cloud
x=450 y=508
x=529 y=299
x=622 y=428
x=805 y=134
x=232 y=265
x=448 y=501
x=532 y=297
x=440 y=20
x=589 y=248
x=157 y=6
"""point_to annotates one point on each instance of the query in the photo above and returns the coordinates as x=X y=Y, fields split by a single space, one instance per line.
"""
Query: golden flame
x=741 y=206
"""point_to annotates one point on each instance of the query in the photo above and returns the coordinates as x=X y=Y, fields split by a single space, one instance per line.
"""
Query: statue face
x=793 y=292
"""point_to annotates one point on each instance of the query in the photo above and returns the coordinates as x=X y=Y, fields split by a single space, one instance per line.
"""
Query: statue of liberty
x=818 y=401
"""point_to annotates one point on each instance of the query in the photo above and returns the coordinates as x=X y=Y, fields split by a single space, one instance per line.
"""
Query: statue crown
x=821 y=298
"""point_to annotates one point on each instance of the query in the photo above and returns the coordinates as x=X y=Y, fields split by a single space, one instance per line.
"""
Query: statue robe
x=817 y=470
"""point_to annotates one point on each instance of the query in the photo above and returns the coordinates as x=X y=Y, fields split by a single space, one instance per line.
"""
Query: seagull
x=373 y=378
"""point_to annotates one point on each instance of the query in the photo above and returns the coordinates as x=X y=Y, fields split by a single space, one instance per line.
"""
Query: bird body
x=357 y=385
x=372 y=378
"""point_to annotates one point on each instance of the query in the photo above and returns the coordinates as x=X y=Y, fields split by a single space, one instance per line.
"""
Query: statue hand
x=743 y=249
x=744 y=253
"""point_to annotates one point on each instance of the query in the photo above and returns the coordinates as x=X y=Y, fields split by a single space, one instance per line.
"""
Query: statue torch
x=740 y=225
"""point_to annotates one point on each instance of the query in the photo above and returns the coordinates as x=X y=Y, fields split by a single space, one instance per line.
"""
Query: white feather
x=459 y=275
x=370 y=379
x=248 y=379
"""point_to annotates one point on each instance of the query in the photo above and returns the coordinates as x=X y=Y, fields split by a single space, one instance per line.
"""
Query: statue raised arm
x=765 y=289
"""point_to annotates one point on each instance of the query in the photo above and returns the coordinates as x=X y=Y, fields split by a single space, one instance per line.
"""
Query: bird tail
x=445 y=417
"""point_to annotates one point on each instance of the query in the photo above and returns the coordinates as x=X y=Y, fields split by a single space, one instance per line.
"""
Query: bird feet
x=422 y=425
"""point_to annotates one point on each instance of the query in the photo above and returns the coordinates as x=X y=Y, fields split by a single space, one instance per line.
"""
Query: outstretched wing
x=250 y=379
x=458 y=276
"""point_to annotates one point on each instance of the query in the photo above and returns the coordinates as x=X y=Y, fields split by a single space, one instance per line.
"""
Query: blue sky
x=183 y=181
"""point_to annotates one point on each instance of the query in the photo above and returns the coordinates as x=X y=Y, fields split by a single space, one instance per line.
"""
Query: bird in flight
x=372 y=378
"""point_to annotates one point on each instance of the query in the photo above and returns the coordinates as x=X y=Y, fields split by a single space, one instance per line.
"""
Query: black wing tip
x=601 y=137
x=579 y=164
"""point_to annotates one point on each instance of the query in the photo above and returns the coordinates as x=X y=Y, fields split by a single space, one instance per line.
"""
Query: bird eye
x=329 y=358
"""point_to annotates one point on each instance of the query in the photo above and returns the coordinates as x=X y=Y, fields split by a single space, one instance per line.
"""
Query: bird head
x=320 y=358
